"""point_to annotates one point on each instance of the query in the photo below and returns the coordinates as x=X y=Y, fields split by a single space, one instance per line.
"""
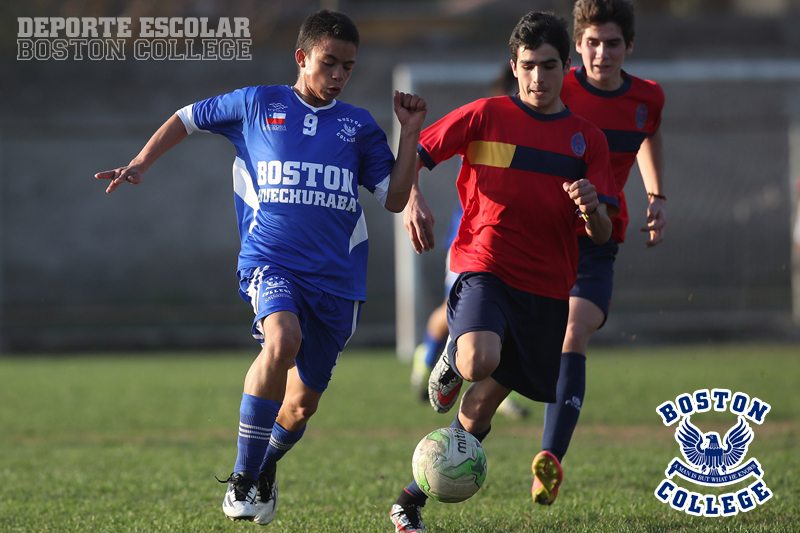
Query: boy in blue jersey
x=300 y=156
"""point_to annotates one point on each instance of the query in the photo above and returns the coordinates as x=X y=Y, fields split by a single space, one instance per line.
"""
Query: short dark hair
x=537 y=28
x=326 y=24
x=596 y=12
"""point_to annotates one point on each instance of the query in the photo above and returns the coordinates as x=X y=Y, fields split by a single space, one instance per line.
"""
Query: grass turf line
x=131 y=443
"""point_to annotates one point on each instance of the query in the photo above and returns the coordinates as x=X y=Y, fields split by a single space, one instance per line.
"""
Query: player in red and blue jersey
x=528 y=161
x=628 y=110
x=436 y=332
x=300 y=156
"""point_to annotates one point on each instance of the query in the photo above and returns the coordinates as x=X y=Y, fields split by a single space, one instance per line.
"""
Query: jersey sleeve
x=185 y=114
x=224 y=113
x=599 y=172
x=377 y=161
x=448 y=136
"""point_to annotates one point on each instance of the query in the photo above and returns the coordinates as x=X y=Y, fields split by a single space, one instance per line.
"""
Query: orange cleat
x=547 y=476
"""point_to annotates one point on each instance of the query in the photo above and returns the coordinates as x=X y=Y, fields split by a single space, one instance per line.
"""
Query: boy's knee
x=476 y=362
x=281 y=346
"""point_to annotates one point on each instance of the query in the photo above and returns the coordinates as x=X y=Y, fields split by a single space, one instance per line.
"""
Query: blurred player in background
x=301 y=155
x=428 y=352
x=628 y=110
x=527 y=163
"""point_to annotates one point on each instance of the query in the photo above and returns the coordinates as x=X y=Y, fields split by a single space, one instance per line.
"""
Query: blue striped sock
x=256 y=418
x=280 y=442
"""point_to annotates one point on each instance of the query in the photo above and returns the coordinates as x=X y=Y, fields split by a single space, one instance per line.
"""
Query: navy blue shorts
x=531 y=328
x=327 y=321
x=596 y=273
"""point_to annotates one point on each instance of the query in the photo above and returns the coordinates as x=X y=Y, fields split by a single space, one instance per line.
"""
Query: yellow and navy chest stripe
x=505 y=155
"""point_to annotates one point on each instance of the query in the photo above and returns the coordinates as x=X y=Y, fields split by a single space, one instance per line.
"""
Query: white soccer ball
x=449 y=465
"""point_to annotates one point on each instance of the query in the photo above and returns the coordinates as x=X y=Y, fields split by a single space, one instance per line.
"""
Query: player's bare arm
x=410 y=110
x=417 y=217
x=651 y=165
x=584 y=194
x=168 y=135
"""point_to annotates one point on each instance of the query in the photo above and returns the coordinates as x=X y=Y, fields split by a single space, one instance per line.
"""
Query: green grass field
x=125 y=443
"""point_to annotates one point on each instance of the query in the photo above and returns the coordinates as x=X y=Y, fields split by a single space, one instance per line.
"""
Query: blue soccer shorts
x=596 y=273
x=327 y=321
x=531 y=328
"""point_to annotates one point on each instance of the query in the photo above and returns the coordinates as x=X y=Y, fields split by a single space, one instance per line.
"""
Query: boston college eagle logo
x=705 y=451
x=711 y=460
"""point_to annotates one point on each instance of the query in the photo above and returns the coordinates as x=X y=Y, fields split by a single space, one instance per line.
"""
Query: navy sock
x=434 y=348
x=280 y=442
x=256 y=418
x=480 y=436
x=560 y=418
x=412 y=494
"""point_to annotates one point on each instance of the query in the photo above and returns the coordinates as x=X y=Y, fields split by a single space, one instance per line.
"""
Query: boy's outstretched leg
x=256 y=418
x=473 y=357
x=405 y=513
x=300 y=403
x=264 y=390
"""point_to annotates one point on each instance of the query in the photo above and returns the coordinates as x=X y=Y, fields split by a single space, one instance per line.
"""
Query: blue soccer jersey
x=296 y=178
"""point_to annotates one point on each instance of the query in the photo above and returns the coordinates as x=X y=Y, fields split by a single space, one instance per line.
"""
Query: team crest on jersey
x=349 y=129
x=578 y=144
x=276 y=117
x=711 y=460
x=641 y=116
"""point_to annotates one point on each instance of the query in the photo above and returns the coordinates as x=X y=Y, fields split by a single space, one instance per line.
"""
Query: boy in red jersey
x=628 y=111
x=528 y=161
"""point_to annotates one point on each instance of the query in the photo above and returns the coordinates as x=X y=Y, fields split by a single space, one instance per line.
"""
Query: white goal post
x=411 y=77
x=410 y=318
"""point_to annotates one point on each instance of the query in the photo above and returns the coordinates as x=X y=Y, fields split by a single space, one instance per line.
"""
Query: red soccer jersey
x=518 y=222
x=627 y=116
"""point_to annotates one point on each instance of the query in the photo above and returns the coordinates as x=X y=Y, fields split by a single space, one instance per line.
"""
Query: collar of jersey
x=311 y=107
x=580 y=75
x=544 y=117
